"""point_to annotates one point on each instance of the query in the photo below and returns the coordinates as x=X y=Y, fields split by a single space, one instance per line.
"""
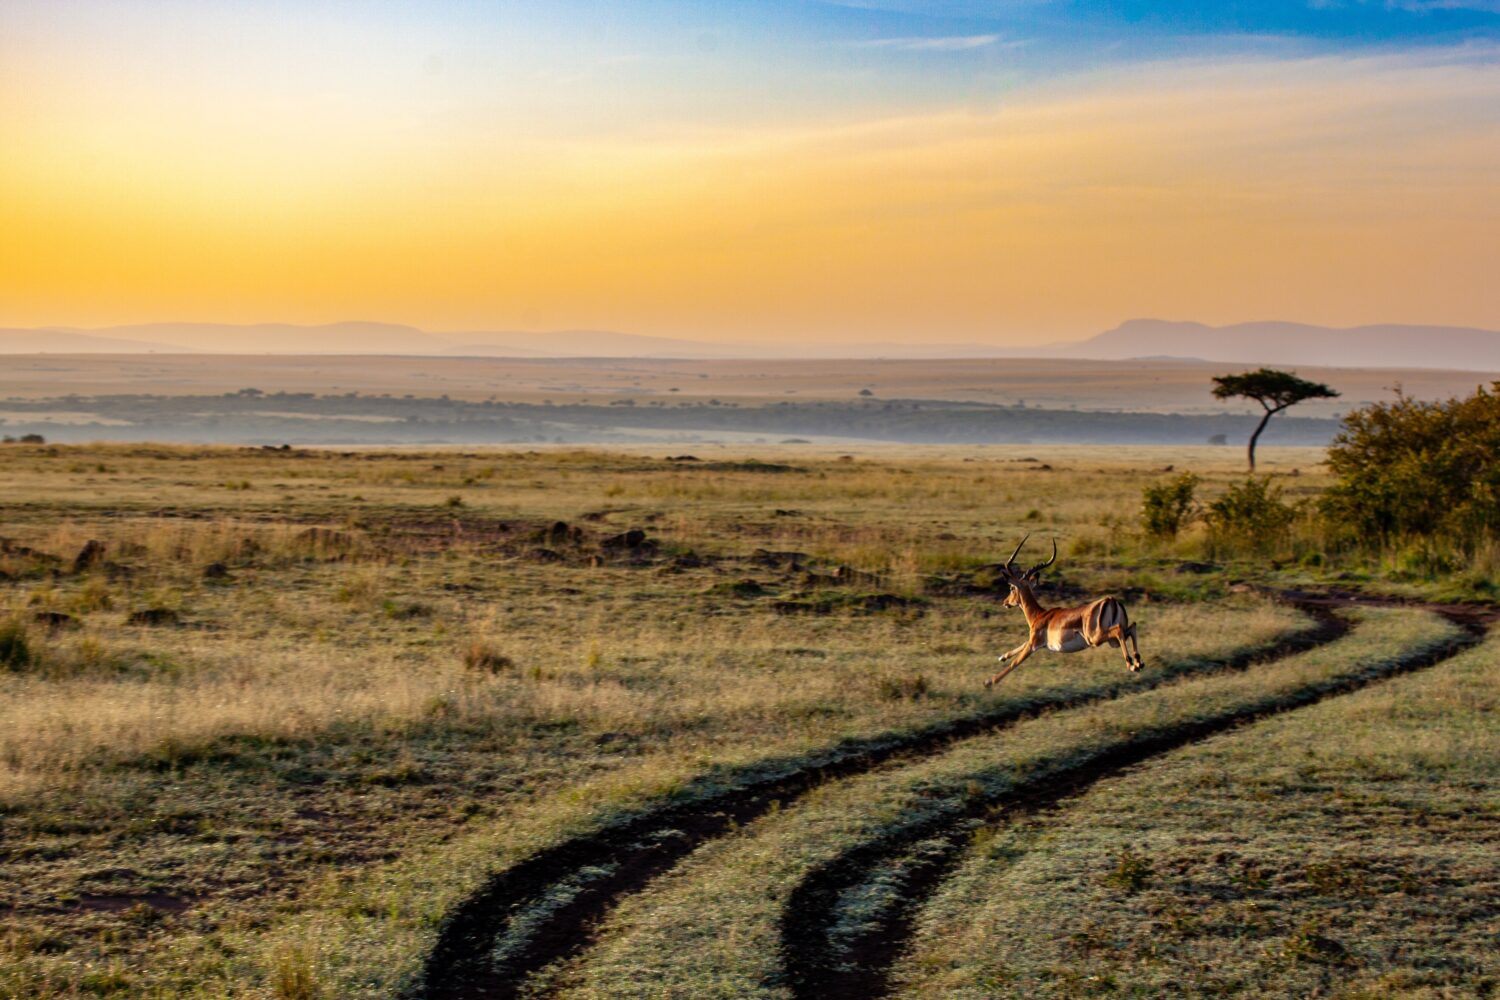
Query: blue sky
x=806 y=56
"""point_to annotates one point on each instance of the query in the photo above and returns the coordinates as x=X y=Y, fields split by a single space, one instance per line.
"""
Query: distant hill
x=352 y=337
x=226 y=338
x=1271 y=343
x=69 y=342
x=584 y=344
x=609 y=344
x=388 y=338
x=1384 y=346
x=356 y=337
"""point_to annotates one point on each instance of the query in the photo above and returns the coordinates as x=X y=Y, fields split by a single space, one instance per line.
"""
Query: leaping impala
x=1063 y=630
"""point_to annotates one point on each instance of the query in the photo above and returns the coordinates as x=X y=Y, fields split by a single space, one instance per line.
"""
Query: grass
x=659 y=940
x=1342 y=851
x=371 y=697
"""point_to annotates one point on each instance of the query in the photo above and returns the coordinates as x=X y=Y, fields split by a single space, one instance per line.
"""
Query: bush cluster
x=1410 y=468
x=1250 y=515
x=1416 y=484
x=1166 y=508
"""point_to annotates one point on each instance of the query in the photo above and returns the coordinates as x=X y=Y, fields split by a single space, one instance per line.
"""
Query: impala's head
x=1012 y=598
x=1018 y=577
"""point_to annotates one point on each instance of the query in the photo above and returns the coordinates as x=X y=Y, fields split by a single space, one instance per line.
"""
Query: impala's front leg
x=1020 y=653
x=1014 y=652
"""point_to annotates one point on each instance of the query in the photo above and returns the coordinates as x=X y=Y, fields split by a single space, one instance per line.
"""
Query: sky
x=1009 y=172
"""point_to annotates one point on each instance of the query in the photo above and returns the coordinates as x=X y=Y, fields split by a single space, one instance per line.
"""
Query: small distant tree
x=1274 y=390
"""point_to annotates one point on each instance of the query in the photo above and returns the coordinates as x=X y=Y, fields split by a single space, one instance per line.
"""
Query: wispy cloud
x=945 y=43
x=1424 y=6
x=1411 y=6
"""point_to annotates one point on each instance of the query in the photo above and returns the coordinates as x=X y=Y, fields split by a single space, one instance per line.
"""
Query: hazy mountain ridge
x=357 y=337
x=1267 y=342
x=61 y=341
x=587 y=344
x=350 y=337
x=1386 y=345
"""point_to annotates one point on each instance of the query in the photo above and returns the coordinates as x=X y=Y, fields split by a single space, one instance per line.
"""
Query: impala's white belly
x=1067 y=642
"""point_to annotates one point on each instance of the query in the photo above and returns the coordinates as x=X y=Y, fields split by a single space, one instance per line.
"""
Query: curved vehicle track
x=587 y=876
x=861 y=968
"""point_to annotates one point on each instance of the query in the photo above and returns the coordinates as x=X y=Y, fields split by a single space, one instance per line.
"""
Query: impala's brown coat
x=1068 y=630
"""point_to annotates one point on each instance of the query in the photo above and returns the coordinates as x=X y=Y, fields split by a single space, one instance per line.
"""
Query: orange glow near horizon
x=1337 y=190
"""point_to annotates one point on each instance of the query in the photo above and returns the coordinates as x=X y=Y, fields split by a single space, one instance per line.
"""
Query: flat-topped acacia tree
x=1272 y=389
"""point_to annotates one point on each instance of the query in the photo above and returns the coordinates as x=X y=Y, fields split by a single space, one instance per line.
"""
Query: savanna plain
x=306 y=723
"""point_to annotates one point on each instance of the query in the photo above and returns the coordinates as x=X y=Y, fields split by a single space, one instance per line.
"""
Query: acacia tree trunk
x=1256 y=436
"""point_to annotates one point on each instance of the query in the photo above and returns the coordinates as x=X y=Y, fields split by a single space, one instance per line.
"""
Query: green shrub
x=1167 y=507
x=1411 y=468
x=1250 y=515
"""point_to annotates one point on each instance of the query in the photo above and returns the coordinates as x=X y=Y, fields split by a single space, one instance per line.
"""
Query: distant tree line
x=250 y=415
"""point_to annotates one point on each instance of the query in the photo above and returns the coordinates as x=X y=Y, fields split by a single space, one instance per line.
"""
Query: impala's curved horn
x=1033 y=571
x=1010 y=564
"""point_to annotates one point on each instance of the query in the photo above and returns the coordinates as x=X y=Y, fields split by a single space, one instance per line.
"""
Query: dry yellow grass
x=285 y=766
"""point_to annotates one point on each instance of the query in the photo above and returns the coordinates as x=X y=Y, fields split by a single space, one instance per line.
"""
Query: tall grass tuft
x=484 y=658
x=16 y=654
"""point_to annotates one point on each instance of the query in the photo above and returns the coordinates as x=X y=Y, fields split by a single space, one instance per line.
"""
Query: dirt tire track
x=861 y=971
x=636 y=851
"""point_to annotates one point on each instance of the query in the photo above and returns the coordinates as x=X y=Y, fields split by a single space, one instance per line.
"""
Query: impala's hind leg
x=1117 y=636
x=1135 y=648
